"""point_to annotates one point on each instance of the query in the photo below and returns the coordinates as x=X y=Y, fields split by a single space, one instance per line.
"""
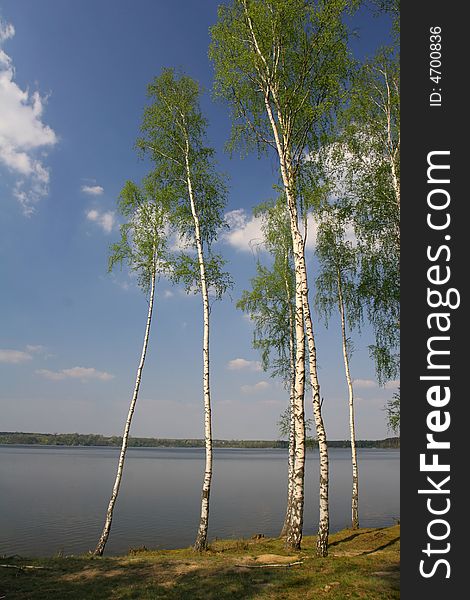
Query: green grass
x=362 y=564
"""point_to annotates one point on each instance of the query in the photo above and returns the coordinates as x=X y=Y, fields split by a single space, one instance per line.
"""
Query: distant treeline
x=93 y=439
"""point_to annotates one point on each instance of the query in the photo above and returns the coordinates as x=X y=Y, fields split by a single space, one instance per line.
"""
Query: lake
x=54 y=499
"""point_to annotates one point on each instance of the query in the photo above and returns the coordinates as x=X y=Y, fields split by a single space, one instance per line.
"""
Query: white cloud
x=87 y=373
x=14 y=357
x=7 y=31
x=391 y=385
x=241 y=363
x=312 y=231
x=105 y=220
x=188 y=292
x=120 y=281
x=93 y=190
x=23 y=135
x=257 y=387
x=180 y=242
x=365 y=383
x=272 y=402
x=376 y=401
x=168 y=294
x=124 y=285
x=82 y=373
x=51 y=375
x=36 y=349
x=244 y=233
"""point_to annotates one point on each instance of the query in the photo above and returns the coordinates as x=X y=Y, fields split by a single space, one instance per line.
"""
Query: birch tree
x=270 y=304
x=173 y=136
x=280 y=64
x=368 y=156
x=143 y=247
x=393 y=413
x=337 y=286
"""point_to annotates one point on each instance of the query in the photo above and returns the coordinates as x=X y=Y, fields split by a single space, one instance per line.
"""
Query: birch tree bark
x=370 y=165
x=355 y=470
x=282 y=66
x=270 y=305
x=303 y=307
x=125 y=438
x=174 y=130
x=291 y=459
x=337 y=287
x=201 y=538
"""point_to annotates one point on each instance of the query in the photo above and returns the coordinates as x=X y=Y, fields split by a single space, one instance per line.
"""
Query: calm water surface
x=54 y=498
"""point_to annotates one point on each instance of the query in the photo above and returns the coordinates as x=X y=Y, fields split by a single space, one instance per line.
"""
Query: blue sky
x=73 y=79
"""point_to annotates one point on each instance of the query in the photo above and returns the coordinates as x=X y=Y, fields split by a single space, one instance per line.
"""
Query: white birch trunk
x=294 y=534
x=302 y=315
x=393 y=149
x=125 y=438
x=296 y=513
x=324 y=521
x=355 y=472
x=301 y=282
x=324 y=518
x=291 y=460
x=302 y=285
x=201 y=538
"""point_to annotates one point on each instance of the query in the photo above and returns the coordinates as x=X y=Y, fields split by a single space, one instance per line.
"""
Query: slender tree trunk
x=201 y=538
x=294 y=535
x=324 y=523
x=302 y=283
x=289 y=186
x=324 y=519
x=125 y=438
x=302 y=304
x=302 y=315
x=355 y=472
x=296 y=513
x=393 y=149
x=291 y=461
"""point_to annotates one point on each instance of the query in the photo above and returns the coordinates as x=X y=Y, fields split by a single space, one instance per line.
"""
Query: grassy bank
x=362 y=564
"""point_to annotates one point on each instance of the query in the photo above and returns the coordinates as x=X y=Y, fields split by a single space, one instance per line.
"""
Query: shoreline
x=97 y=440
x=361 y=563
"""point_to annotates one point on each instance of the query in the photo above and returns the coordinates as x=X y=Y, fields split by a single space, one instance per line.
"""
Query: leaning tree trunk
x=125 y=438
x=201 y=539
x=355 y=472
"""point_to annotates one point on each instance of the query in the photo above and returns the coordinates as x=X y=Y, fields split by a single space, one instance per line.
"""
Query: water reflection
x=54 y=498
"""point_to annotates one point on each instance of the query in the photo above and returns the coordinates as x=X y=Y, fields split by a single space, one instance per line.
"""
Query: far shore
x=91 y=439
